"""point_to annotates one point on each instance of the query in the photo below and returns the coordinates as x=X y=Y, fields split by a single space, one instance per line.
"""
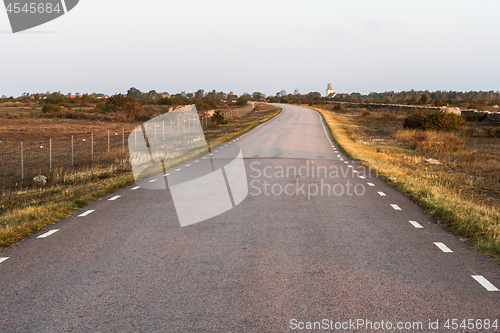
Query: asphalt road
x=317 y=238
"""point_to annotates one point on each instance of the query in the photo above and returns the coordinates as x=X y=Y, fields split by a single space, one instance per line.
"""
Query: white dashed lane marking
x=396 y=207
x=153 y=180
x=485 y=283
x=416 y=224
x=114 y=198
x=371 y=184
x=177 y=169
x=382 y=194
x=86 y=213
x=3 y=259
x=188 y=165
x=48 y=233
x=443 y=247
x=362 y=177
x=135 y=188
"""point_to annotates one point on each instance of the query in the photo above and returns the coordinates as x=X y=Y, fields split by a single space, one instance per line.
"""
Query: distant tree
x=221 y=96
x=257 y=96
x=424 y=99
x=230 y=97
x=243 y=100
x=199 y=94
x=314 y=95
x=282 y=93
x=134 y=92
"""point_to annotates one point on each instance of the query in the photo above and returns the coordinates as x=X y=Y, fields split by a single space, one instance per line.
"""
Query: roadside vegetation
x=25 y=210
x=449 y=165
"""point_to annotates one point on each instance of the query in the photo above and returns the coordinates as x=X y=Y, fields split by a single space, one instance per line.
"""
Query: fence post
x=22 y=162
x=72 y=152
x=50 y=155
x=92 y=146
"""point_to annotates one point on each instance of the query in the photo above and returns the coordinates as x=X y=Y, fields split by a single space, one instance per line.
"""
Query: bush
x=133 y=111
x=317 y=102
x=68 y=106
x=434 y=120
x=476 y=116
x=366 y=113
x=389 y=116
x=337 y=107
x=218 y=118
x=491 y=132
x=117 y=102
x=50 y=108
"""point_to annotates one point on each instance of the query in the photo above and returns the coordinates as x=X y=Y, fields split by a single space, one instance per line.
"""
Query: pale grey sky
x=358 y=45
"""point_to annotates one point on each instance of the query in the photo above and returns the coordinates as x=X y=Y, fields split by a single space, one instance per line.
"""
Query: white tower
x=329 y=91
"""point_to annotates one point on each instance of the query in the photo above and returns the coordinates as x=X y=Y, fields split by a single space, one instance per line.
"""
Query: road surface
x=338 y=247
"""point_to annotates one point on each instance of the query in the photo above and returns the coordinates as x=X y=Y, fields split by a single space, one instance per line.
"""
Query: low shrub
x=366 y=113
x=218 y=118
x=389 y=116
x=434 y=120
x=68 y=106
x=50 y=108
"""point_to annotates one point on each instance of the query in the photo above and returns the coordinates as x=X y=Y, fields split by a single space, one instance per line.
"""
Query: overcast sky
x=245 y=46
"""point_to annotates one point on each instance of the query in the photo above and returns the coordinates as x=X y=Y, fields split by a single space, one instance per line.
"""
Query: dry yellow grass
x=461 y=193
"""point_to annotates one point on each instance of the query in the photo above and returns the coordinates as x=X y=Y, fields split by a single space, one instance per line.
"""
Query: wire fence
x=25 y=160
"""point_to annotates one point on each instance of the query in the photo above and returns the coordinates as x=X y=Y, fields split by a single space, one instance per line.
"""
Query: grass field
x=461 y=191
x=26 y=210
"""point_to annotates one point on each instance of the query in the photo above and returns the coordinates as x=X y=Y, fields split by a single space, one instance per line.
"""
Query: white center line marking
x=204 y=158
x=114 y=198
x=443 y=247
x=135 y=188
x=485 y=283
x=177 y=169
x=416 y=224
x=86 y=213
x=3 y=259
x=165 y=175
x=362 y=177
x=338 y=155
x=153 y=180
x=371 y=184
x=382 y=194
x=196 y=161
x=48 y=233
x=346 y=162
x=188 y=165
x=396 y=207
